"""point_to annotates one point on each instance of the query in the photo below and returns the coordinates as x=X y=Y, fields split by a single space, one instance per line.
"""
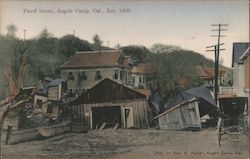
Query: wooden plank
x=178 y=105
x=116 y=126
x=102 y=126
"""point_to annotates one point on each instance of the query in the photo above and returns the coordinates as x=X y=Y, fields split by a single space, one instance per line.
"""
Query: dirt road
x=133 y=143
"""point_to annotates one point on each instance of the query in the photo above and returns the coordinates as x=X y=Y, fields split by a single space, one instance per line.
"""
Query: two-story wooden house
x=85 y=69
x=143 y=74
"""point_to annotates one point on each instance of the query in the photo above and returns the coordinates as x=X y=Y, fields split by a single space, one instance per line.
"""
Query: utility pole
x=217 y=50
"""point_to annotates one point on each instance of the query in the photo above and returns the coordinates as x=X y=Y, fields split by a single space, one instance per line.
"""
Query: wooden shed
x=183 y=116
x=110 y=102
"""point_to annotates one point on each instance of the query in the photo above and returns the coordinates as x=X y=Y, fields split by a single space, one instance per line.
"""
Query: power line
x=216 y=49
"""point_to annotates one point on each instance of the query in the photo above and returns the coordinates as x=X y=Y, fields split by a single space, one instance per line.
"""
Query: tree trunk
x=3 y=116
x=10 y=106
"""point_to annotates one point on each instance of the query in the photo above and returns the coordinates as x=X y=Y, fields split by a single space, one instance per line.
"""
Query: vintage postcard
x=116 y=79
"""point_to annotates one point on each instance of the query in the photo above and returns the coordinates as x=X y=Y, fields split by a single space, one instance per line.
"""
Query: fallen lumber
x=116 y=126
x=102 y=126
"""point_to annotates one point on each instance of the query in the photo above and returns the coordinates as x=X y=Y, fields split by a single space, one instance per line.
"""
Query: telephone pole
x=216 y=49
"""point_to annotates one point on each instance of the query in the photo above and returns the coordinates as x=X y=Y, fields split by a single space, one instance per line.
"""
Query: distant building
x=207 y=75
x=46 y=99
x=143 y=74
x=240 y=64
x=86 y=69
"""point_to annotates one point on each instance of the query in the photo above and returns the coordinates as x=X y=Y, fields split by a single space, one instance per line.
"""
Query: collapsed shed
x=187 y=108
x=111 y=103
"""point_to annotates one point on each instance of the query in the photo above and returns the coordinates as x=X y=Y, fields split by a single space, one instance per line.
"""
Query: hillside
x=45 y=53
x=175 y=66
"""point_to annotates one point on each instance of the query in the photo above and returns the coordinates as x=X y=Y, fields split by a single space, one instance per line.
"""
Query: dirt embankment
x=125 y=143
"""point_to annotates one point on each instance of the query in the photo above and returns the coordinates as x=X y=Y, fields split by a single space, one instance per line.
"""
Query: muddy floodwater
x=132 y=143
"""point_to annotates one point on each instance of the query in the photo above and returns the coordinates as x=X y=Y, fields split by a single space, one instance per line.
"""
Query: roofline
x=143 y=73
x=244 y=56
x=233 y=50
x=92 y=52
x=99 y=84
x=176 y=106
x=84 y=67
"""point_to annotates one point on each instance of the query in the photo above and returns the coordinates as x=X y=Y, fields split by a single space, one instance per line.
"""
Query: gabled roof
x=144 y=68
x=238 y=50
x=208 y=73
x=108 y=91
x=93 y=59
x=146 y=92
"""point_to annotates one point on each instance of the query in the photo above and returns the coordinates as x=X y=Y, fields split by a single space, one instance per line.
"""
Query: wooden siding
x=247 y=70
x=53 y=93
x=82 y=112
x=183 y=117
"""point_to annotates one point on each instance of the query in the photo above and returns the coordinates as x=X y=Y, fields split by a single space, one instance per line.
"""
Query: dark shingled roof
x=90 y=59
x=238 y=50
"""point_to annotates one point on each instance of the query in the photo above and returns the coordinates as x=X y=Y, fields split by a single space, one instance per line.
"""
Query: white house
x=143 y=74
x=240 y=64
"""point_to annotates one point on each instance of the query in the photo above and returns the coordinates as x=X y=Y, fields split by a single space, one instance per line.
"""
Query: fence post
x=9 y=130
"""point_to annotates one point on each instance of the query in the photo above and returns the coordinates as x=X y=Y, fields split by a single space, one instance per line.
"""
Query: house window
x=98 y=75
x=82 y=75
x=140 y=79
x=71 y=76
x=39 y=103
x=116 y=74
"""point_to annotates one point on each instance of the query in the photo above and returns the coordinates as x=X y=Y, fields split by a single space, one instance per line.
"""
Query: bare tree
x=15 y=78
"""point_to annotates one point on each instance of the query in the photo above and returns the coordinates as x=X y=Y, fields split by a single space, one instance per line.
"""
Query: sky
x=173 y=22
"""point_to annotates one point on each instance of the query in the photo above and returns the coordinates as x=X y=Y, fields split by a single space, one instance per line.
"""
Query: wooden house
x=46 y=99
x=207 y=75
x=110 y=102
x=143 y=74
x=86 y=69
x=240 y=64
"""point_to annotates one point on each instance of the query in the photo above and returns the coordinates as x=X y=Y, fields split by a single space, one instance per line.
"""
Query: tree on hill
x=68 y=45
x=97 y=42
x=137 y=53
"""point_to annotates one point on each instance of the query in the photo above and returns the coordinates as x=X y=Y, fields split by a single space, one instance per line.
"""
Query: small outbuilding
x=186 y=110
x=113 y=104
